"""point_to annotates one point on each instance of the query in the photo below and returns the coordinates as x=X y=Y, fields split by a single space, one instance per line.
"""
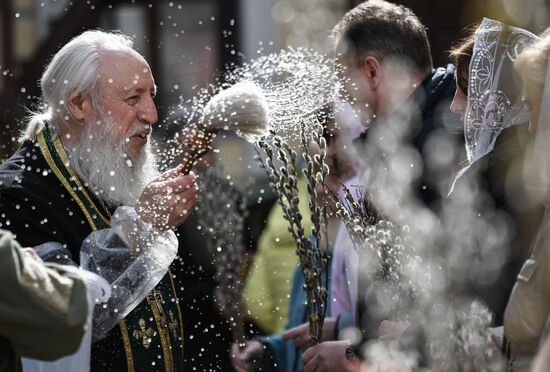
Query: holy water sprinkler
x=241 y=108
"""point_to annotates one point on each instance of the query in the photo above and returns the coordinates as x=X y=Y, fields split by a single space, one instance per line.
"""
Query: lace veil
x=494 y=93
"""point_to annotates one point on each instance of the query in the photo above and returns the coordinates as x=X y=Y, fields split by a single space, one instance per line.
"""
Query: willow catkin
x=241 y=108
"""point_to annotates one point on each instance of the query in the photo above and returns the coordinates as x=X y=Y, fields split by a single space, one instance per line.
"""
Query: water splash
x=288 y=87
x=295 y=82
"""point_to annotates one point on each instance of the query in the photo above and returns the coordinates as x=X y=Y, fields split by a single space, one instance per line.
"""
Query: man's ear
x=78 y=106
x=371 y=70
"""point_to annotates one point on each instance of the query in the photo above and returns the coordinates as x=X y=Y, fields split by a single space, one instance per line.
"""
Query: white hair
x=72 y=71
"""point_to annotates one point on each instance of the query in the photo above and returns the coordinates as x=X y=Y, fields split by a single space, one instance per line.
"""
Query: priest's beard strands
x=103 y=163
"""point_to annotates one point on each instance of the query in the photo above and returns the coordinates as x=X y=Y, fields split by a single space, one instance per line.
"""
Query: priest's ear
x=371 y=71
x=80 y=106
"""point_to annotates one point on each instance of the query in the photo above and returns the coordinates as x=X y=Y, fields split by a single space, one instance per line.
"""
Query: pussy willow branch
x=284 y=181
x=318 y=212
x=377 y=241
x=221 y=213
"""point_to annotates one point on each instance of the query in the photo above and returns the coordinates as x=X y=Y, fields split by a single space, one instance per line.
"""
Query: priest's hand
x=300 y=335
x=167 y=200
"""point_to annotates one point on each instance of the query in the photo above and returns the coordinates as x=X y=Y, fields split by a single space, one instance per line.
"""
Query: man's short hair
x=386 y=30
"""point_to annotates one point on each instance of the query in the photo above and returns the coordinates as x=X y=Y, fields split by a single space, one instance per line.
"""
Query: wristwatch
x=350 y=353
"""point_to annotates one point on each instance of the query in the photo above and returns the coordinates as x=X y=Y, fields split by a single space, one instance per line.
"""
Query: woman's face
x=458 y=106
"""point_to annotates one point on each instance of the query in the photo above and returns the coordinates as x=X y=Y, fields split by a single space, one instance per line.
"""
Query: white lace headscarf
x=494 y=92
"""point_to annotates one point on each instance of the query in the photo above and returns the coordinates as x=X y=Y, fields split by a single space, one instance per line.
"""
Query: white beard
x=106 y=169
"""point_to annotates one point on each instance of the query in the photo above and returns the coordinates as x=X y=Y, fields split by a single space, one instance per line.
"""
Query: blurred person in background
x=528 y=309
x=500 y=191
x=498 y=147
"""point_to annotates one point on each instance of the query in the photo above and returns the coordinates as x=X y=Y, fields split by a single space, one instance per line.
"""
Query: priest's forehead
x=125 y=69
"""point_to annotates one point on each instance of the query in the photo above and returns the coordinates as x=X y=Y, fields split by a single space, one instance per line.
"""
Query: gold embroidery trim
x=180 y=316
x=164 y=338
x=65 y=160
x=59 y=175
x=127 y=347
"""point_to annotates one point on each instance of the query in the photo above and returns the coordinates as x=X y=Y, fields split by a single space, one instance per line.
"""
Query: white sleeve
x=133 y=257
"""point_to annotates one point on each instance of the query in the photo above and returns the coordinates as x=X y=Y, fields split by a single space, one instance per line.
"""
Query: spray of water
x=273 y=93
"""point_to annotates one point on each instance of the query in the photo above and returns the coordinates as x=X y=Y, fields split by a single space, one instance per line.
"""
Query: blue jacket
x=426 y=112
